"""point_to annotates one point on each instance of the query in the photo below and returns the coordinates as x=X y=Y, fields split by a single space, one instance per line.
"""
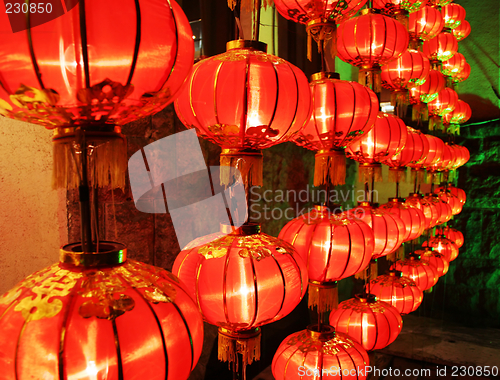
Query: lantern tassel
x=370 y=77
x=324 y=296
x=245 y=342
x=397 y=175
x=247 y=162
x=329 y=168
x=435 y=123
x=400 y=100
x=420 y=112
x=417 y=175
x=370 y=172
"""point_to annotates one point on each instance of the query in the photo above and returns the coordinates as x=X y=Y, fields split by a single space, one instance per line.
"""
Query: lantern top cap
x=416 y=195
x=332 y=208
x=368 y=204
x=246 y=44
x=244 y=230
x=366 y=298
x=324 y=75
x=367 y=11
x=321 y=332
x=394 y=273
x=397 y=200
x=414 y=256
x=110 y=253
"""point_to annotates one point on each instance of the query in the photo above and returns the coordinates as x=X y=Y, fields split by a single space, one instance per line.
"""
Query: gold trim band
x=246 y=44
x=244 y=230
x=110 y=253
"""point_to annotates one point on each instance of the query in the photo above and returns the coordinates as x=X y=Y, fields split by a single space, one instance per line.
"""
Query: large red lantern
x=461 y=114
x=444 y=246
x=388 y=228
x=463 y=75
x=77 y=72
x=398 y=291
x=462 y=31
x=369 y=41
x=453 y=15
x=99 y=316
x=342 y=112
x=386 y=139
x=241 y=281
x=430 y=89
x=429 y=209
x=436 y=259
x=373 y=323
x=412 y=217
x=333 y=246
x=320 y=352
x=441 y=48
x=424 y=274
x=245 y=100
x=453 y=234
x=453 y=65
x=425 y=24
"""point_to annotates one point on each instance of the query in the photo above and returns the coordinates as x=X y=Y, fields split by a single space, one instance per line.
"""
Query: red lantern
x=398 y=291
x=303 y=11
x=436 y=147
x=453 y=234
x=99 y=315
x=343 y=112
x=320 y=352
x=373 y=323
x=420 y=148
x=388 y=229
x=429 y=209
x=443 y=209
x=245 y=100
x=368 y=41
x=448 y=197
x=424 y=274
x=444 y=246
x=241 y=281
x=453 y=15
x=425 y=24
x=460 y=115
x=455 y=191
x=412 y=217
x=441 y=48
x=385 y=140
x=436 y=259
x=444 y=161
x=453 y=65
x=430 y=89
x=460 y=77
x=462 y=31
x=333 y=246
x=397 y=164
x=445 y=102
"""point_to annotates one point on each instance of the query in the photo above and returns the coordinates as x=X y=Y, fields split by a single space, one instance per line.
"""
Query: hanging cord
x=238 y=30
x=256 y=19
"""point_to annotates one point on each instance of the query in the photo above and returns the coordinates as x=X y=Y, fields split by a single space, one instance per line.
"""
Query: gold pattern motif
x=243 y=54
x=363 y=307
x=308 y=344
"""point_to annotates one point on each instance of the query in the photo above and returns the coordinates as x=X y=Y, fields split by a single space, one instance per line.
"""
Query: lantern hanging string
x=256 y=21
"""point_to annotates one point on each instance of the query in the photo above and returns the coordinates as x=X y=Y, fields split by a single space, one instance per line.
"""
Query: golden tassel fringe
x=369 y=273
x=400 y=100
x=329 y=167
x=397 y=174
x=373 y=270
x=369 y=172
x=418 y=174
x=370 y=77
x=391 y=257
x=248 y=162
x=435 y=123
x=420 y=112
x=323 y=296
x=246 y=343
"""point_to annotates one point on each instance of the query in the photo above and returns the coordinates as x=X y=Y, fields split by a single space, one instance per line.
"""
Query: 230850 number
x=474 y=371
x=31 y=8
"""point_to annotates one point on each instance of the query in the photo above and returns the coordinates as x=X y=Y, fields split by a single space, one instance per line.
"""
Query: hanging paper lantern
x=386 y=139
x=373 y=323
x=445 y=159
x=343 y=112
x=455 y=191
x=369 y=41
x=421 y=272
x=320 y=352
x=418 y=153
x=398 y=9
x=430 y=89
x=240 y=281
x=398 y=291
x=443 y=209
x=436 y=147
x=453 y=15
x=91 y=77
x=429 y=209
x=244 y=100
x=440 y=48
x=99 y=315
x=452 y=234
x=448 y=197
x=425 y=24
x=463 y=75
x=397 y=164
x=436 y=259
x=460 y=115
x=412 y=217
x=462 y=31
x=443 y=245
x=333 y=246
x=388 y=228
x=453 y=65
x=445 y=102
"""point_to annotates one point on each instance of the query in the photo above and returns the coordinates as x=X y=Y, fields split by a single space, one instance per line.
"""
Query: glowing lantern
x=452 y=234
x=373 y=323
x=435 y=154
x=317 y=352
x=443 y=245
x=388 y=229
x=386 y=139
x=397 y=164
x=453 y=15
x=443 y=209
x=453 y=65
x=462 y=31
x=445 y=102
x=430 y=89
x=436 y=259
x=455 y=191
x=368 y=41
x=398 y=291
x=443 y=162
x=463 y=75
x=461 y=114
x=245 y=100
x=343 y=112
x=425 y=24
x=421 y=272
x=241 y=281
x=418 y=152
x=412 y=217
x=441 y=48
x=333 y=247
x=99 y=315
x=448 y=197
x=429 y=209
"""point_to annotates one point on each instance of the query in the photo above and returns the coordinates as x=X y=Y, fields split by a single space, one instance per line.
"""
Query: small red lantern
x=397 y=164
x=436 y=147
x=463 y=75
x=424 y=274
x=445 y=102
x=398 y=291
x=425 y=93
x=461 y=114
x=453 y=15
x=386 y=139
x=462 y=31
x=420 y=149
x=320 y=352
x=443 y=209
x=443 y=245
x=455 y=191
x=303 y=11
x=429 y=209
x=453 y=65
x=343 y=112
x=388 y=229
x=436 y=259
x=412 y=217
x=373 y=323
x=245 y=100
x=441 y=48
x=443 y=162
x=240 y=281
x=448 y=197
x=425 y=24
x=368 y=41
x=453 y=234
